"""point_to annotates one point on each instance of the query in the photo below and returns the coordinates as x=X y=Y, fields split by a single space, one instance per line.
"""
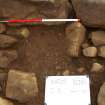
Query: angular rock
x=7 y=41
x=98 y=38
x=2 y=28
x=18 y=32
x=21 y=86
x=101 y=51
x=6 y=57
x=96 y=67
x=90 y=52
x=91 y=12
x=25 y=10
x=75 y=35
x=5 y=102
x=101 y=95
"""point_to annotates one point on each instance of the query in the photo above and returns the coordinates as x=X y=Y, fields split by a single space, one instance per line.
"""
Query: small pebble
x=6 y=57
x=81 y=69
x=96 y=67
x=90 y=52
x=66 y=73
x=22 y=32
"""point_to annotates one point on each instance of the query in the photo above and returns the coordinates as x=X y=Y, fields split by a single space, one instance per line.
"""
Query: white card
x=67 y=90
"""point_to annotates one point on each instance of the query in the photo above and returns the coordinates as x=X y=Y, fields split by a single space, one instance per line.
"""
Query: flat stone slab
x=21 y=86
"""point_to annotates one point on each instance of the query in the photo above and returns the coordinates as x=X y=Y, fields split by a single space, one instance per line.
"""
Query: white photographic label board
x=67 y=90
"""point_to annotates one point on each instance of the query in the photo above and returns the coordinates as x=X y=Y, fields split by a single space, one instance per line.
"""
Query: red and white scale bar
x=39 y=20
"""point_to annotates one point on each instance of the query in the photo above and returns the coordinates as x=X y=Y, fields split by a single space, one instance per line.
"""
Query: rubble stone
x=22 y=32
x=21 y=86
x=90 y=52
x=98 y=38
x=81 y=70
x=101 y=95
x=6 y=57
x=101 y=51
x=91 y=12
x=66 y=73
x=5 y=102
x=75 y=35
x=21 y=10
x=7 y=41
x=96 y=67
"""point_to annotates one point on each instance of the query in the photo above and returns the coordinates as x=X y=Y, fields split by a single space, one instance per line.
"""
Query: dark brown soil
x=44 y=53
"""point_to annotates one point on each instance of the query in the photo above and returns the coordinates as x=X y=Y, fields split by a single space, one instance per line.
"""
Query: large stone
x=101 y=95
x=26 y=10
x=57 y=9
x=7 y=41
x=98 y=38
x=21 y=86
x=91 y=12
x=75 y=35
x=6 y=57
x=5 y=102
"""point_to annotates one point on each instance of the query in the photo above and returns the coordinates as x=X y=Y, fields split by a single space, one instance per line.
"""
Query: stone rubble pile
x=22 y=86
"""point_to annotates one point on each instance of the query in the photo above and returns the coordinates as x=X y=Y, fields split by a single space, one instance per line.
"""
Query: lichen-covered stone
x=21 y=86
